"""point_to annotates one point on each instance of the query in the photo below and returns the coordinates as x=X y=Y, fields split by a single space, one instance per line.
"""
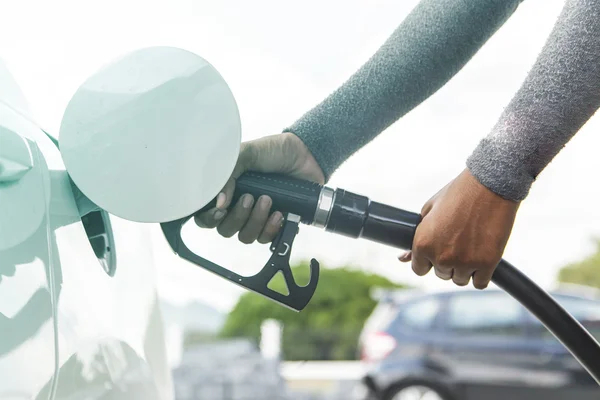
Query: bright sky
x=281 y=58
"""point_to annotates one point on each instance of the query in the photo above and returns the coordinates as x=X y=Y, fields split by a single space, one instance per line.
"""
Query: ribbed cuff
x=494 y=168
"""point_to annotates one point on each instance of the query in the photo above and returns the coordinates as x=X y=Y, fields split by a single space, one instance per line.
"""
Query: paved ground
x=235 y=370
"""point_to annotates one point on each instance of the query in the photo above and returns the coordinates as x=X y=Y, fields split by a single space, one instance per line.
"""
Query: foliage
x=327 y=328
x=584 y=272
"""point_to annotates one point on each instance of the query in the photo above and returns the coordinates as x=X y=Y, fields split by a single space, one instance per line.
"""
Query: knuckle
x=480 y=285
x=236 y=221
x=485 y=260
x=481 y=263
x=226 y=233
x=266 y=238
x=246 y=239
x=201 y=223
x=443 y=269
x=449 y=257
x=202 y=220
x=445 y=259
x=442 y=275
x=421 y=244
x=460 y=282
x=420 y=271
x=456 y=258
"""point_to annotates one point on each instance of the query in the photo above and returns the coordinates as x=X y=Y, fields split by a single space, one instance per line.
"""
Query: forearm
x=430 y=46
x=559 y=95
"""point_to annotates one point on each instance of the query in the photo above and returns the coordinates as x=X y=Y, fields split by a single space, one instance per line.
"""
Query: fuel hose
x=356 y=216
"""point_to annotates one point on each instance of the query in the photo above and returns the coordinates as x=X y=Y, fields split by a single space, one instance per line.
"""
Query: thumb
x=406 y=256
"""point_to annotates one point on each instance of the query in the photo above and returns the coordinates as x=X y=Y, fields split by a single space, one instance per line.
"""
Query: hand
x=283 y=153
x=463 y=233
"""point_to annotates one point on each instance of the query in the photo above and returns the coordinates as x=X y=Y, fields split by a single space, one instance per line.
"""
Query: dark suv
x=470 y=344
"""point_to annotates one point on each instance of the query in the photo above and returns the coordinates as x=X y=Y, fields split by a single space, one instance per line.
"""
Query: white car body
x=73 y=324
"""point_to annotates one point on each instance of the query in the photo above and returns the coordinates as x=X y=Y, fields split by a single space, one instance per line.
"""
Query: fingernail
x=265 y=202
x=221 y=198
x=403 y=256
x=218 y=215
x=247 y=202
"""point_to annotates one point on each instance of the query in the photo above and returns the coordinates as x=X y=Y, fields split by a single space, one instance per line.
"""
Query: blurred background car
x=426 y=346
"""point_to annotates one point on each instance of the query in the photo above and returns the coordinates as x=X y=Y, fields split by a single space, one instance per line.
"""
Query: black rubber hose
x=580 y=343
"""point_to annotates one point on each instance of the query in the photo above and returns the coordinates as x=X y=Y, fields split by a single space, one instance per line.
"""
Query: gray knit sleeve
x=429 y=47
x=559 y=95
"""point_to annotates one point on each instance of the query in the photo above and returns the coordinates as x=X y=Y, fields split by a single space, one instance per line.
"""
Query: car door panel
x=114 y=318
x=554 y=359
x=486 y=347
x=495 y=368
x=68 y=329
x=109 y=343
x=27 y=330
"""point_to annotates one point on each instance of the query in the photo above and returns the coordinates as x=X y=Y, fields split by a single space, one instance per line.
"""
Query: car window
x=581 y=309
x=587 y=312
x=418 y=315
x=484 y=314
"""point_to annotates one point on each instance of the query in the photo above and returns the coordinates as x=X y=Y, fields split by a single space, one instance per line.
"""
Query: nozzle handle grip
x=292 y=195
x=289 y=195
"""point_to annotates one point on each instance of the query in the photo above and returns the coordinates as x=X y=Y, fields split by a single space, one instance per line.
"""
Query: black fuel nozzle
x=356 y=216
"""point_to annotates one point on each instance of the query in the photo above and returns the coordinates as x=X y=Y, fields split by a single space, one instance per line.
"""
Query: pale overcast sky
x=280 y=58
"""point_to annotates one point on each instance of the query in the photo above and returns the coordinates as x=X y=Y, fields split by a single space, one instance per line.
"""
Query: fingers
x=251 y=219
x=462 y=276
x=272 y=228
x=446 y=265
x=420 y=265
x=406 y=257
x=256 y=221
x=444 y=273
x=482 y=278
x=236 y=217
x=210 y=219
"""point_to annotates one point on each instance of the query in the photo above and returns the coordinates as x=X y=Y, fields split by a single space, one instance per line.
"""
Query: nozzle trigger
x=298 y=296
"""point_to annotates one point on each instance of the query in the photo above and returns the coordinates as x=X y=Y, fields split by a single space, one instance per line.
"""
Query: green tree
x=328 y=328
x=584 y=272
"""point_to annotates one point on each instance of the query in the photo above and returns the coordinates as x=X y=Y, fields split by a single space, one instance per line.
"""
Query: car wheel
x=416 y=392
